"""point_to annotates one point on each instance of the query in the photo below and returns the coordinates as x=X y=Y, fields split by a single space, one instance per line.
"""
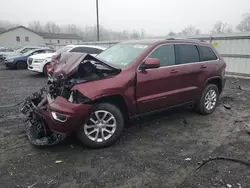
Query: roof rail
x=190 y=39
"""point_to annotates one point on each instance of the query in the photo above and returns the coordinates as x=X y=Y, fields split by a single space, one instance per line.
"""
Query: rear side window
x=187 y=54
x=87 y=50
x=165 y=54
x=207 y=54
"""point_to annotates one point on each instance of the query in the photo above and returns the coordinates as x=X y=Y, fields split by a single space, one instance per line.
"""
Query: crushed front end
x=59 y=110
x=37 y=129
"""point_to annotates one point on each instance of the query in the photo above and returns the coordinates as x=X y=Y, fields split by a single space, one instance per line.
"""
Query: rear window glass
x=87 y=50
x=188 y=53
x=207 y=54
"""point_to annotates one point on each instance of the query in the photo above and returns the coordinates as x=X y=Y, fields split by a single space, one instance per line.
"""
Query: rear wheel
x=21 y=65
x=209 y=99
x=103 y=127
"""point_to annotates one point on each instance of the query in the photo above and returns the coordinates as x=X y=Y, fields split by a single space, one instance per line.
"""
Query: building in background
x=60 y=39
x=21 y=36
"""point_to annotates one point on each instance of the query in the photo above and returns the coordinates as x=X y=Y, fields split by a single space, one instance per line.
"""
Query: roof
x=91 y=46
x=2 y=29
x=60 y=36
x=157 y=41
x=17 y=27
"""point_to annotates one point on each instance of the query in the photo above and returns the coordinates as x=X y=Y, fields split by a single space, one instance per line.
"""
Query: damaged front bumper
x=50 y=119
x=37 y=129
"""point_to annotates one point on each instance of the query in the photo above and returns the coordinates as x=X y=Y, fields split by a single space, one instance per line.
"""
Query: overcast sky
x=157 y=17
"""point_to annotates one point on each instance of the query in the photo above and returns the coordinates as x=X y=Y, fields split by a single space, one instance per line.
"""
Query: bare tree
x=172 y=34
x=245 y=23
x=36 y=26
x=51 y=27
x=6 y=25
x=190 y=31
x=221 y=27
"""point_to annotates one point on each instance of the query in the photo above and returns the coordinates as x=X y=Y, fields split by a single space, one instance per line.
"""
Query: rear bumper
x=223 y=83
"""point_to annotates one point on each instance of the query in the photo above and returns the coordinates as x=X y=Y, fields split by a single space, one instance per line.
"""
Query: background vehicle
x=20 y=61
x=4 y=50
x=93 y=96
x=9 y=52
x=38 y=63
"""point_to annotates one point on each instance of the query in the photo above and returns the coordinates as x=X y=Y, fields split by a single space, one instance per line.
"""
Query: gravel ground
x=157 y=151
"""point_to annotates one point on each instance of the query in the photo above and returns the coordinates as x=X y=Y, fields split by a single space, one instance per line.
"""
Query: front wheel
x=208 y=100
x=21 y=65
x=45 y=69
x=103 y=127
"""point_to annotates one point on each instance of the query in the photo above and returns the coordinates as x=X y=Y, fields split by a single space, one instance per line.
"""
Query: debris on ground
x=58 y=161
x=235 y=81
x=185 y=121
x=229 y=186
x=227 y=106
x=188 y=159
x=242 y=88
x=31 y=185
x=204 y=161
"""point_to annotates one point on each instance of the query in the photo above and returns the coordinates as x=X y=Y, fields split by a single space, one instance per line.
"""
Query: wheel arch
x=216 y=81
x=117 y=100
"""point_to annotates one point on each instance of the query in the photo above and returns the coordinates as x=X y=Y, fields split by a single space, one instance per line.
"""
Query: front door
x=156 y=88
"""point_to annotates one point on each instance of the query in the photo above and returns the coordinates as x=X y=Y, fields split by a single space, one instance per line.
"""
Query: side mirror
x=151 y=63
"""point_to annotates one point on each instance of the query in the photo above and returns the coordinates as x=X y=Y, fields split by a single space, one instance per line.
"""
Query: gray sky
x=157 y=17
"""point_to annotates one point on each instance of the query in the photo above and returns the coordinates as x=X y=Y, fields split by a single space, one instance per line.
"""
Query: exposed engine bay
x=85 y=68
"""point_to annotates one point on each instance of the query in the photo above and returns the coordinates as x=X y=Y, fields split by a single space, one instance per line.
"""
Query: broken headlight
x=77 y=97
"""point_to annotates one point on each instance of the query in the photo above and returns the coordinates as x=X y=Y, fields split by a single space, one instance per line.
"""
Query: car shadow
x=132 y=127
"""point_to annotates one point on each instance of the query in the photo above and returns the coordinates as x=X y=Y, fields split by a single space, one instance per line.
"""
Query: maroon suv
x=93 y=96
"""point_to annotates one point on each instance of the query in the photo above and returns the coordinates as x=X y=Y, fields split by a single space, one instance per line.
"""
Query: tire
x=203 y=105
x=45 y=69
x=111 y=136
x=21 y=65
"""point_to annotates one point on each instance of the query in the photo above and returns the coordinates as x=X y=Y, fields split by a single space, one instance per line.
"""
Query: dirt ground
x=157 y=151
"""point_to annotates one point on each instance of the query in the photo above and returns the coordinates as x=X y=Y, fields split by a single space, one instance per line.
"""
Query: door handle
x=203 y=66
x=174 y=71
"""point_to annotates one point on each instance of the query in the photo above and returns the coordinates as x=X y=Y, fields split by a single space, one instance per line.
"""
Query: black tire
x=201 y=107
x=21 y=65
x=45 y=69
x=115 y=111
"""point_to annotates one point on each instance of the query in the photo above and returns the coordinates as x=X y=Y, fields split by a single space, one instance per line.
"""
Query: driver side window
x=166 y=55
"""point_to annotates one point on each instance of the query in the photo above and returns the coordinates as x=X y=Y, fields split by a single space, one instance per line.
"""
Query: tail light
x=224 y=65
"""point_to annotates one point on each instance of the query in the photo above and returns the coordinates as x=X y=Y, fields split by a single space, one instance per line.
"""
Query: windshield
x=64 y=49
x=28 y=52
x=122 y=54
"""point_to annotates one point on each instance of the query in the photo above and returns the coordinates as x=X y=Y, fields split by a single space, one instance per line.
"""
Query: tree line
x=88 y=33
x=219 y=27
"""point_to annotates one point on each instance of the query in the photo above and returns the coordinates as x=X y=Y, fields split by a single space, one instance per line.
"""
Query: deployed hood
x=42 y=56
x=69 y=64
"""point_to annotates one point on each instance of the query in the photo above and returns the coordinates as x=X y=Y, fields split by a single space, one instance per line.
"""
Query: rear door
x=192 y=71
x=157 y=88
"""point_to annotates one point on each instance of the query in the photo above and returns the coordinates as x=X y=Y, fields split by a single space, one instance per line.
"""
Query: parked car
x=93 y=96
x=28 y=48
x=39 y=63
x=4 y=50
x=20 y=61
x=18 y=52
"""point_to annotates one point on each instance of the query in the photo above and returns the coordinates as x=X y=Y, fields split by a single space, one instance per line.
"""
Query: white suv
x=38 y=63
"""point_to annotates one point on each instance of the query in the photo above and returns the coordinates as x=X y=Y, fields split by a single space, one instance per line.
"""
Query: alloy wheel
x=210 y=99
x=100 y=126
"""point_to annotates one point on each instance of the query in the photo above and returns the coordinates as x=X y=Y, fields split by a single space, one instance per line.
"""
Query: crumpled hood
x=42 y=56
x=69 y=63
